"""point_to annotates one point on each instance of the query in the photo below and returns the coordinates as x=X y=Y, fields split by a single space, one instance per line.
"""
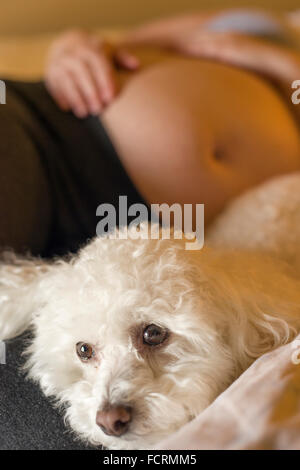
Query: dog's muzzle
x=115 y=420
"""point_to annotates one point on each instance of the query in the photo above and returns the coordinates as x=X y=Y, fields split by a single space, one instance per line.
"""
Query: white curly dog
x=136 y=337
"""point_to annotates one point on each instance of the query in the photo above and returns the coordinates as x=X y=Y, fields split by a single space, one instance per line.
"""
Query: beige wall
x=31 y=16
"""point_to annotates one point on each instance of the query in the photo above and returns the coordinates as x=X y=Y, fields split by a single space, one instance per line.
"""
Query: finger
x=103 y=74
x=86 y=84
x=71 y=93
x=126 y=59
x=52 y=87
x=60 y=99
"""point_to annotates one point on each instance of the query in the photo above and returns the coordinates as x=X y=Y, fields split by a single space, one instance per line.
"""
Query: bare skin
x=195 y=129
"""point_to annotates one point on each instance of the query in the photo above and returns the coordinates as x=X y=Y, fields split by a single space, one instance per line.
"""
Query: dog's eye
x=84 y=351
x=154 y=335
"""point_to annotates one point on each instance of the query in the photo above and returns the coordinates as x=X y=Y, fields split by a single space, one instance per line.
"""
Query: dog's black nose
x=115 y=420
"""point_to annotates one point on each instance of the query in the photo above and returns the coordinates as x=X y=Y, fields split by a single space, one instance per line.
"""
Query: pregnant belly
x=191 y=131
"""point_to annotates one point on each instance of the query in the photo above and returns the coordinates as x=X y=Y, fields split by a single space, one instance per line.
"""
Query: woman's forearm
x=278 y=64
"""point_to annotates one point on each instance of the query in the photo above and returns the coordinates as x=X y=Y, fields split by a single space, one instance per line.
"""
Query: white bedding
x=260 y=410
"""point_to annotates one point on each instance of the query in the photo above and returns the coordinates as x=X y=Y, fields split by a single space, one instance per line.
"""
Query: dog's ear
x=21 y=293
x=265 y=313
x=253 y=299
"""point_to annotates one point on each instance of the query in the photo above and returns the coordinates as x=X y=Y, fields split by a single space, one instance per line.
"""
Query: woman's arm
x=279 y=64
x=186 y=35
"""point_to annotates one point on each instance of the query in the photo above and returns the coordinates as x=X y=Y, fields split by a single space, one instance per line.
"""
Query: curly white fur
x=224 y=306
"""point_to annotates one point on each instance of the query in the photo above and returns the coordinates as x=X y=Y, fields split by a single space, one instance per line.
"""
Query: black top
x=80 y=161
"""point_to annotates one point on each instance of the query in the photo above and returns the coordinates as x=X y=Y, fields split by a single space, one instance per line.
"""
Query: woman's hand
x=80 y=72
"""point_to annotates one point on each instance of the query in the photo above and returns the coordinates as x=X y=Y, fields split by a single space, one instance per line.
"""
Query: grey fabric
x=27 y=419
